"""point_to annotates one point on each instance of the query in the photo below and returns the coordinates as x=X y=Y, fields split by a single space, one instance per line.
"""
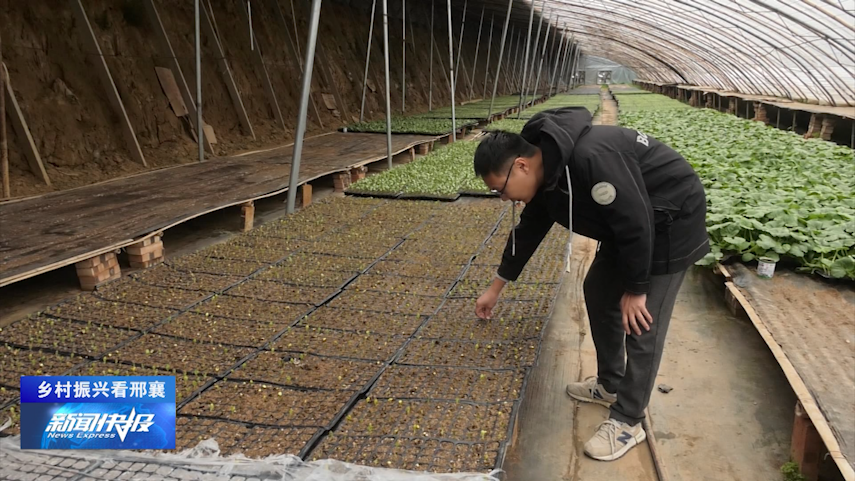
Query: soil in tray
x=513 y=291
x=85 y=339
x=263 y=403
x=425 y=257
x=16 y=362
x=214 y=265
x=254 y=253
x=449 y=383
x=386 y=302
x=313 y=262
x=409 y=453
x=134 y=291
x=282 y=247
x=307 y=371
x=248 y=308
x=447 y=272
x=166 y=276
x=456 y=309
x=12 y=413
x=459 y=421
x=404 y=285
x=364 y=321
x=89 y=308
x=483 y=354
x=8 y=394
x=170 y=353
x=185 y=383
x=344 y=246
x=453 y=244
x=529 y=275
x=234 y=438
x=221 y=330
x=498 y=329
x=327 y=342
x=306 y=276
x=279 y=292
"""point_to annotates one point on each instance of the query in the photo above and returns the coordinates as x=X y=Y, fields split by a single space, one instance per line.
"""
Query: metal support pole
x=542 y=54
x=563 y=68
x=430 y=68
x=404 y=56
x=515 y=51
x=460 y=42
x=573 y=68
x=367 y=60
x=200 y=125
x=388 y=83
x=304 y=104
x=501 y=53
x=533 y=60
x=4 y=148
x=525 y=59
x=510 y=80
x=557 y=62
x=487 y=63
x=451 y=76
x=475 y=61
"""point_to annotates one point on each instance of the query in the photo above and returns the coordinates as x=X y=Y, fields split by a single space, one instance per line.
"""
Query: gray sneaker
x=590 y=391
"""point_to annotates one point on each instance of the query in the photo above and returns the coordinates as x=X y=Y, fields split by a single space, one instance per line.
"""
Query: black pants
x=627 y=364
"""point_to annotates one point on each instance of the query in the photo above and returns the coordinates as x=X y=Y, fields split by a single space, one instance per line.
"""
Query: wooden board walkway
x=47 y=232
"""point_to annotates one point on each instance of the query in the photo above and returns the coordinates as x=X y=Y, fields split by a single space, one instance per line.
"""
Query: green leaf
x=842 y=267
x=748 y=257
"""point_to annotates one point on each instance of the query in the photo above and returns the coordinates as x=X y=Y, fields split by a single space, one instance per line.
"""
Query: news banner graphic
x=97 y=412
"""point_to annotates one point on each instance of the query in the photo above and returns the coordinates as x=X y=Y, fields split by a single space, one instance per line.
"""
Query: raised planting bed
x=262 y=403
x=16 y=362
x=214 y=265
x=478 y=354
x=240 y=438
x=247 y=308
x=85 y=339
x=770 y=193
x=130 y=290
x=404 y=285
x=166 y=276
x=364 y=321
x=448 y=272
x=222 y=330
x=307 y=371
x=409 y=125
x=413 y=453
x=384 y=302
x=500 y=329
x=456 y=309
x=185 y=383
x=279 y=292
x=329 y=342
x=459 y=421
x=89 y=308
x=449 y=383
x=170 y=353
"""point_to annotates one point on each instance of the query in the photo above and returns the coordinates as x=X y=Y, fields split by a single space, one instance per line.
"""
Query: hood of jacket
x=565 y=125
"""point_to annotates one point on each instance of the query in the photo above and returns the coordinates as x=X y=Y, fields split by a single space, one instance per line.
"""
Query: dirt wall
x=79 y=135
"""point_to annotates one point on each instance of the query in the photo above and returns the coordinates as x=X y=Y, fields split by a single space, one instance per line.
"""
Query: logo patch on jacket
x=642 y=139
x=604 y=193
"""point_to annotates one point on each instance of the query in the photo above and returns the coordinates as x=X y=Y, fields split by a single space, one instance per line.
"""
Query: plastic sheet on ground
x=203 y=462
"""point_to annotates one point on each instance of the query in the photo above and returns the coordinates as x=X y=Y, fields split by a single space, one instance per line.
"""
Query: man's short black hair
x=498 y=149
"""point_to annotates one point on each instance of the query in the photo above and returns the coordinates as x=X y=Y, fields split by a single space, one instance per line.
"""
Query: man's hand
x=485 y=304
x=633 y=308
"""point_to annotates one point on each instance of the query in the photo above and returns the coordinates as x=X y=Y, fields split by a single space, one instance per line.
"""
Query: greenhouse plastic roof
x=803 y=50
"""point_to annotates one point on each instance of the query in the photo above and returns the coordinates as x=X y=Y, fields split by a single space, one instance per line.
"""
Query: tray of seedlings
x=251 y=440
x=89 y=308
x=42 y=332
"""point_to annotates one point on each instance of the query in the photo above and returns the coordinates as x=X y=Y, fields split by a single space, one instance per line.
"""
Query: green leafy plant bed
x=386 y=302
x=480 y=354
x=769 y=193
x=130 y=290
x=261 y=403
x=235 y=437
x=165 y=276
x=279 y=292
x=459 y=421
x=590 y=102
x=649 y=102
x=85 y=339
x=330 y=342
x=508 y=125
x=449 y=383
x=247 y=308
x=413 y=453
x=185 y=383
x=484 y=330
x=16 y=362
x=404 y=285
x=363 y=321
x=307 y=371
x=410 y=125
x=170 y=353
x=89 y=308
x=221 y=330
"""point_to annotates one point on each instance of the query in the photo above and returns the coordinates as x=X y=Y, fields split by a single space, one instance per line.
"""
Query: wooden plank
x=209 y=25
x=19 y=123
x=209 y=134
x=168 y=55
x=170 y=88
x=799 y=387
x=90 y=42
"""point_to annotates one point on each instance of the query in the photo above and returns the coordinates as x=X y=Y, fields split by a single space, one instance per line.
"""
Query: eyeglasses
x=505 y=186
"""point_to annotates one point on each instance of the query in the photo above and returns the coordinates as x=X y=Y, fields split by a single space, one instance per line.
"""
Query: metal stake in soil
x=304 y=104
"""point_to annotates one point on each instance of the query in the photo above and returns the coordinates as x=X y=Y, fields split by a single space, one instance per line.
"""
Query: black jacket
x=637 y=196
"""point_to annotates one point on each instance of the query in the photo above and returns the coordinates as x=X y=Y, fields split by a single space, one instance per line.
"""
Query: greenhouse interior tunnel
x=431 y=240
